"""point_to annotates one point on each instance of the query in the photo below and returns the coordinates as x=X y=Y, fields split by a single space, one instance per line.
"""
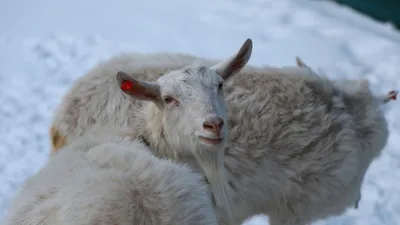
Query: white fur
x=298 y=145
x=179 y=125
x=106 y=180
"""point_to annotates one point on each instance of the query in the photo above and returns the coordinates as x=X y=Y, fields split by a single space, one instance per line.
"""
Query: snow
x=47 y=44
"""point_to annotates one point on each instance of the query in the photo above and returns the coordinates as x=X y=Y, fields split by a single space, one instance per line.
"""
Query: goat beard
x=212 y=164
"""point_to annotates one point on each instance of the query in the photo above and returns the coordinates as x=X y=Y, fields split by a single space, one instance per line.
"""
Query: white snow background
x=47 y=44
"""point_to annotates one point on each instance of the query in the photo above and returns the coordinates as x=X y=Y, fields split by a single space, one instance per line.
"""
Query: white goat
x=182 y=110
x=298 y=147
x=111 y=180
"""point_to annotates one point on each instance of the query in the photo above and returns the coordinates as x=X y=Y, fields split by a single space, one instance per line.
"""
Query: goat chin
x=212 y=164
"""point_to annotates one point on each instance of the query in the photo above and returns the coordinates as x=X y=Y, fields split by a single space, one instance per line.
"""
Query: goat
x=183 y=110
x=298 y=147
x=107 y=179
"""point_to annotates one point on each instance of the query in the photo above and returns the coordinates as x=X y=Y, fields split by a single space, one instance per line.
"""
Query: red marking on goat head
x=127 y=85
x=394 y=93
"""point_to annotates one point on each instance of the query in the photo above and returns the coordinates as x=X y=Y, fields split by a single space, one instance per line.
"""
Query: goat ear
x=300 y=63
x=392 y=95
x=142 y=90
x=234 y=64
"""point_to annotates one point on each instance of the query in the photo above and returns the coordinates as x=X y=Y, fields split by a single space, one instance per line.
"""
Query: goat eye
x=220 y=86
x=168 y=99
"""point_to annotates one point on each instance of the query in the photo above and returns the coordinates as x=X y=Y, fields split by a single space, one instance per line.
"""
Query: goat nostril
x=214 y=125
x=207 y=126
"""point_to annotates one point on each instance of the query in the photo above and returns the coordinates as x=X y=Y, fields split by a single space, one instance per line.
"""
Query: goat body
x=298 y=147
x=111 y=180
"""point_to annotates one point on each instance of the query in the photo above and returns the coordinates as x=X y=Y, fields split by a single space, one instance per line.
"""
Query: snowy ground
x=45 y=45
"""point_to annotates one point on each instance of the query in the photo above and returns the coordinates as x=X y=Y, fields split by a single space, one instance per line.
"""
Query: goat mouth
x=212 y=141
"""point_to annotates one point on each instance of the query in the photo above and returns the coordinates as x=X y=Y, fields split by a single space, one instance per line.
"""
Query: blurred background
x=47 y=44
